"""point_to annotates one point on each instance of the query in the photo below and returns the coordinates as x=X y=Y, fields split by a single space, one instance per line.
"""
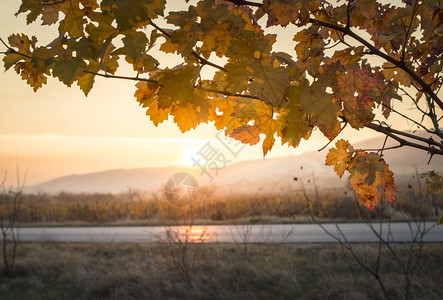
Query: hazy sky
x=58 y=131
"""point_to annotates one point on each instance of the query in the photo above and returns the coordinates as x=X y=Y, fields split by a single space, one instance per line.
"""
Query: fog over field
x=268 y=176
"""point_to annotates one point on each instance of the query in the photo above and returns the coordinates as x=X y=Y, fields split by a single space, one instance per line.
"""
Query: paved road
x=302 y=233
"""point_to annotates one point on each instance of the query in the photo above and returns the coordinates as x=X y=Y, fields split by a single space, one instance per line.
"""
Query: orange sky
x=58 y=131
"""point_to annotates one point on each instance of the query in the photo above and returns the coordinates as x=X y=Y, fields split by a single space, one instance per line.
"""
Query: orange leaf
x=339 y=157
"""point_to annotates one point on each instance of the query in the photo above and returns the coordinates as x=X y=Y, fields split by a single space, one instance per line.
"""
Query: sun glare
x=188 y=154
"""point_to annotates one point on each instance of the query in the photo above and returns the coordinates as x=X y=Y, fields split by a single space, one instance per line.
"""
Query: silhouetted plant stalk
x=407 y=265
x=9 y=217
x=182 y=244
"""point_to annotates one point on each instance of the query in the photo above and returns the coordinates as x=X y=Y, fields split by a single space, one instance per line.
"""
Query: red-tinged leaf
x=354 y=90
x=371 y=178
x=389 y=187
x=247 y=134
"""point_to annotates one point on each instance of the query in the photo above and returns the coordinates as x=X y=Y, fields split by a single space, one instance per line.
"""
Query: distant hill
x=256 y=176
x=110 y=181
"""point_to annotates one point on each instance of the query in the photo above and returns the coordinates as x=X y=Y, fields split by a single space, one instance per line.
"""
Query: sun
x=188 y=157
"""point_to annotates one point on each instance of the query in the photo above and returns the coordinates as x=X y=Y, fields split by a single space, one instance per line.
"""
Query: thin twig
x=341 y=129
x=408 y=32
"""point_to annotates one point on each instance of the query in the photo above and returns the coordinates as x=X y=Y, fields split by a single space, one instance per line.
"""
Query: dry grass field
x=213 y=271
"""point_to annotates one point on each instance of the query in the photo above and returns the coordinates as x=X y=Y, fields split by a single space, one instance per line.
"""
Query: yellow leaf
x=146 y=93
x=218 y=39
x=269 y=127
x=186 y=117
x=28 y=73
x=340 y=156
x=157 y=115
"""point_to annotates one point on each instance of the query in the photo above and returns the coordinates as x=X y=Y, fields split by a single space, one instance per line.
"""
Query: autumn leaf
x=392 y=72
x=367 y=165
x=186 y=117
x=133 y=14
x=340 y=156
x=433 y=180
x=217 y=39
x=296 y=123
x=269 y=127
x=156 y=114
x=221 y=113
x=324 y=111
x=371 y=179
x=284 y=12
x=270 y=84
x=74 y=20
x=146 y=93
x=353 y=60
x=34 y=7
x=353 y=89
x=176 y=85
x=32 y=77
x=247 y=134
x=86 y=80
x=68 y=70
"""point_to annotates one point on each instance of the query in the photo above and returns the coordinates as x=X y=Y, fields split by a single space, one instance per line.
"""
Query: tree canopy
x=351 y=63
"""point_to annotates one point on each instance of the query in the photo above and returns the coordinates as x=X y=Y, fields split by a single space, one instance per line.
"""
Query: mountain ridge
x=264 y=175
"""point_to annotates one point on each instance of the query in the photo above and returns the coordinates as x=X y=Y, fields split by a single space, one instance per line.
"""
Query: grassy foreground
x=212 y=271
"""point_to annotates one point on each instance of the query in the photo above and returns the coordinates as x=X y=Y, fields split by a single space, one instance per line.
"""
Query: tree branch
x=201 y=59
x=12 y=50
x=392 y=133
x=155 y=81
x=409 y=119
x=373 y=50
